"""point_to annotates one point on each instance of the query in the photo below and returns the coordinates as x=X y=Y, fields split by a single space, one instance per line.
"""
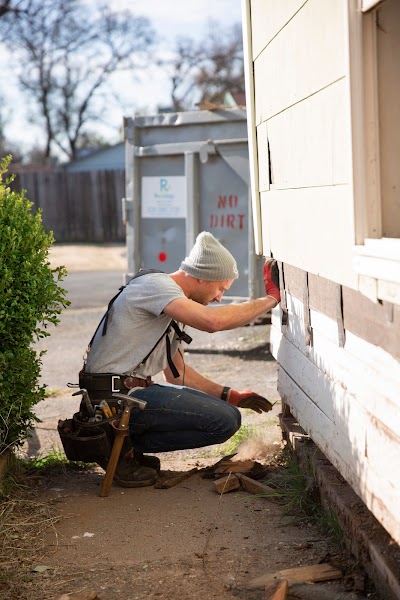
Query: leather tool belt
x=103 y=385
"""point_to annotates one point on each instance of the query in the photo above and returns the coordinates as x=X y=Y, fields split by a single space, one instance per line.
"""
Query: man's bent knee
x=231 y=423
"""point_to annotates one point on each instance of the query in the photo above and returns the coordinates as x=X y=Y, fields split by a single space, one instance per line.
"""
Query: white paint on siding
x=306 y=56
x=374 y=484
x=312 y=229
x=310 y=142
x=347 y=409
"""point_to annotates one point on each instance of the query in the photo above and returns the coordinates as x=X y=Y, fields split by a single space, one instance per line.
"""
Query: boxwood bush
x=30 y=299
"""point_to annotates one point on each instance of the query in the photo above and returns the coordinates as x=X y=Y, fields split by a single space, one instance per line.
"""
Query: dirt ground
x=187 y=542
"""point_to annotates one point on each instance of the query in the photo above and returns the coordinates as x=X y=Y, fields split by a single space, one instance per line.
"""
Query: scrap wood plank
x=226 y=484
x=319 y=572
x=276 y=590
x=234 y=466
x=253 y=486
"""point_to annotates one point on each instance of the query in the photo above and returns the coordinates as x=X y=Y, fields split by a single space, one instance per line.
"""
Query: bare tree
x=207 y=70
x=66 y=53
x=6 y=146
x=6 y=6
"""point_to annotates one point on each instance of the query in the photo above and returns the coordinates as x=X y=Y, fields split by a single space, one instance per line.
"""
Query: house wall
x=339 y=373
x=338 y=353
x=303 y=134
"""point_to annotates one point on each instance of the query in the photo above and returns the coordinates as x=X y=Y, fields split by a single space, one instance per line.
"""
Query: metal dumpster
x=185 y=173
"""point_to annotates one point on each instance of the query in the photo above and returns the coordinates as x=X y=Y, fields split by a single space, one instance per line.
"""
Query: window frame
x=376 y=259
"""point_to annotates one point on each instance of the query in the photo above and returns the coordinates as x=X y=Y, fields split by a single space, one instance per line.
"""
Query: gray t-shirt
x=135 y=324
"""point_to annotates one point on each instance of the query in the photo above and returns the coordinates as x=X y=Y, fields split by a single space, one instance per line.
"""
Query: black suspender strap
x=181 y=335
x=104 y=318
x=171 y=365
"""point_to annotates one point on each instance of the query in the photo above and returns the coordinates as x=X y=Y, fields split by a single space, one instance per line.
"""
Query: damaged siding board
x=372 y=321
x=344 y=454
x=321 y=214
x=366 y=372
x=263 y=157
x=310 y=50
x=322 y=295
x=294 y=281
x=342 y=420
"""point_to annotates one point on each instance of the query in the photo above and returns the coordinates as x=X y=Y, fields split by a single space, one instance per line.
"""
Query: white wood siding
x=310 y=228
x=338 y=397
x=302 y=111
x=268 y=18
x=309 y=141
x=306 y=56
x=311 y=180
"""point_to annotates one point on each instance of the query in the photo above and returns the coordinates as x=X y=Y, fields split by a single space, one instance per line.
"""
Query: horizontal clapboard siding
x=348 y=400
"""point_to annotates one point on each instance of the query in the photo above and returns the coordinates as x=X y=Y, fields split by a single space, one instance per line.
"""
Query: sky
x=170 y=18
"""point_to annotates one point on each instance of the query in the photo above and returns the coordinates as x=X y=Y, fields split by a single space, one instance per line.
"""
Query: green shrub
x=30 y=299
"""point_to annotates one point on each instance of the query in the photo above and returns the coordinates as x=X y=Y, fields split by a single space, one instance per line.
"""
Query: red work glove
x=271 y=279
x=247 y=399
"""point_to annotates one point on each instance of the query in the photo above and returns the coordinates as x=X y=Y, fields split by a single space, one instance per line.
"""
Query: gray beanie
x=209 y=260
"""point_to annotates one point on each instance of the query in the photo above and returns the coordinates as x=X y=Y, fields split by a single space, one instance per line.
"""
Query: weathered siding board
x=323 y=215
x=303 y=57
x=322 y=295
x=372 y=321
x=310 y=143
x=342 y=420
x=339 y=449
x=376 y=323
x=78 y=206
x=294 y=281
x=366 y=372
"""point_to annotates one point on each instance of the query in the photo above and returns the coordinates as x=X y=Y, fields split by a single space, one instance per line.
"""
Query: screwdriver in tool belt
x=106 y=409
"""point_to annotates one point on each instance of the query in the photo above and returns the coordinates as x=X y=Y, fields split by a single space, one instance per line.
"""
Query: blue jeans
x=177 y=418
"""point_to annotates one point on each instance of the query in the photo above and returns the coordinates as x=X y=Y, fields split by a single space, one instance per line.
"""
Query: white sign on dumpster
x=163 y=197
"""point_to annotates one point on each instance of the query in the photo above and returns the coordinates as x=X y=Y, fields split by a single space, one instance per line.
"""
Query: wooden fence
x=77 y=207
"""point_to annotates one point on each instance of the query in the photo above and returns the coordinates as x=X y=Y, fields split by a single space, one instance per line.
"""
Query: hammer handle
x=120 y=433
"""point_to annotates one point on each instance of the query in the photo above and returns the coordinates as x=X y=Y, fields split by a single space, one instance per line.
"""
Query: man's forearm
x=230 y=316
x=193 y=379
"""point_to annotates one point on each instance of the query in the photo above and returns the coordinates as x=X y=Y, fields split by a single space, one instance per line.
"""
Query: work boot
x=131 y=473
x=153 y=462
x=146 y=461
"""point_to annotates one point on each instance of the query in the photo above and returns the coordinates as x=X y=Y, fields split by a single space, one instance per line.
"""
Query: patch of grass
x=231 y=446
x=55 y=461
x=52 y=392
x=54 y=458
x=297 y=490
x=244 y=433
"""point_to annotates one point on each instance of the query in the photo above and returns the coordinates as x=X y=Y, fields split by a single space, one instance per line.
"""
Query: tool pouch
x=89 y=441
x=85 y=442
